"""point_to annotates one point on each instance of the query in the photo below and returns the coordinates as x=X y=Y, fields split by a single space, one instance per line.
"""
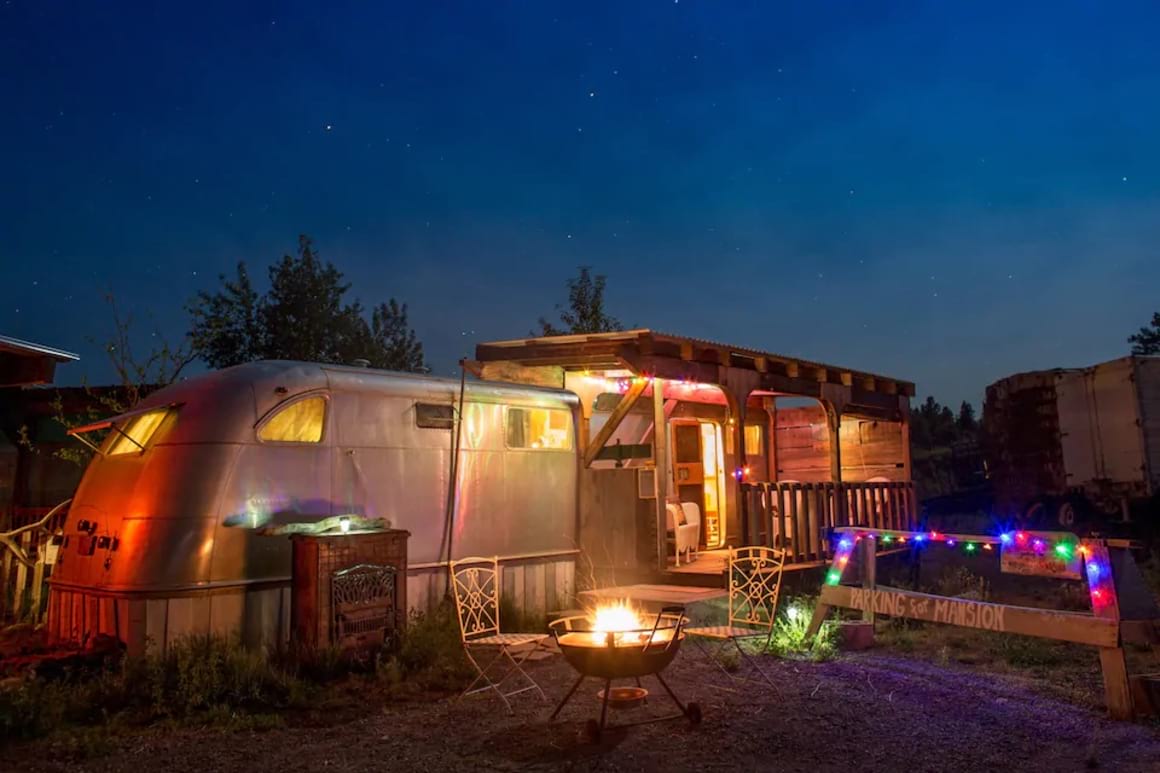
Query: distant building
x=31 y=478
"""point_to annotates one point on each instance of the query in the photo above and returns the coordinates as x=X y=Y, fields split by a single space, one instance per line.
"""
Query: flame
x=615 y=618
x=627 y=626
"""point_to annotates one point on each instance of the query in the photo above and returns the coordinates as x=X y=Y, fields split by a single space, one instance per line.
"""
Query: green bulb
x=1063 y=549
x=970 y=547
x=833 y=577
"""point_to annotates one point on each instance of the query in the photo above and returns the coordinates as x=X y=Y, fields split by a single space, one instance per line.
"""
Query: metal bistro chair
x=754 y=585
x=475 y=582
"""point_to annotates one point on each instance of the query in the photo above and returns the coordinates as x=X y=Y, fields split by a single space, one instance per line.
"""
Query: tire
x=693 y=712
x=1066 y=515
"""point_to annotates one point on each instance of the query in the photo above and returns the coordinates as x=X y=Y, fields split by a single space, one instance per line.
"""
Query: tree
x=394 y=342
x=303 y=316
x=585 y=312
x=227 y=325
x=1147 y=340
x=136 y=376
x=966 y=421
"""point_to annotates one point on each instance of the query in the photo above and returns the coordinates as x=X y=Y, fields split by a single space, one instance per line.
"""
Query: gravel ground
x=872 y=712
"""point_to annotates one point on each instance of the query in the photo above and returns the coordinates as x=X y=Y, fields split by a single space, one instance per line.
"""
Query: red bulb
x=1020 y=536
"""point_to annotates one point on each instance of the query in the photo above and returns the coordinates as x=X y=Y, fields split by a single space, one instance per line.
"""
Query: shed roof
x=635 y=349
x=23 y=363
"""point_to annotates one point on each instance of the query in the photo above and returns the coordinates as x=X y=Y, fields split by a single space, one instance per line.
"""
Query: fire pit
x=616 y=643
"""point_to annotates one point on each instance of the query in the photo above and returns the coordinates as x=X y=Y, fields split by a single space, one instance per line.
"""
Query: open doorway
x=699 y=474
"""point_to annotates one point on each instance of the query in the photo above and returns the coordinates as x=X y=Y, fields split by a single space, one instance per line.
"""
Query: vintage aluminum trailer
x=161 y=539
x=1076 y=443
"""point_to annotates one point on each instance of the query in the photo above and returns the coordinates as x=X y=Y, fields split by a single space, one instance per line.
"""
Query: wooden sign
x=1001 y=618
x=1042 y=554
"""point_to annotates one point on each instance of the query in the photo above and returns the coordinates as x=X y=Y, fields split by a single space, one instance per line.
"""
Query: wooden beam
x=686 y=351
x=1001 y=618
x=847 y=378
x=660 y=471
x=618 y=413
x=761 y=364
x=792 y=369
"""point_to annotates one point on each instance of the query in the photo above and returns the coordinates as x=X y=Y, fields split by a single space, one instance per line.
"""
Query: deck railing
x=23 y=589
x=796 y=516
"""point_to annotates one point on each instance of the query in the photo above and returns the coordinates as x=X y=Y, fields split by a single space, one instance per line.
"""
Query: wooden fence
x=797 y=516
x=23 y=588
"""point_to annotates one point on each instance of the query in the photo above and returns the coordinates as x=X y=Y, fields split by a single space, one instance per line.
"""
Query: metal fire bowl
x=626 y=659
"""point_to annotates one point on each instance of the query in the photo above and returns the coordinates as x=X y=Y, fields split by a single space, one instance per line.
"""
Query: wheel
x=693 y=712
x=592 y=731
x=1066 y=515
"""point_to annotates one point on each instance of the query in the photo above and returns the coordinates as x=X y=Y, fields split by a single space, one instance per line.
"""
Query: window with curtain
x=299 y=422
x=753 y=444
x=539 y=428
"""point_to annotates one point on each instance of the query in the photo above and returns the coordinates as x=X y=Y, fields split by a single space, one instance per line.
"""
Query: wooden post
x=869 y=572
x=660 y=469
x=834 y=425
x=1117 y=691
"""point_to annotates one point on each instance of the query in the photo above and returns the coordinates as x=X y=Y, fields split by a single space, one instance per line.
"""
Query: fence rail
x=23 y=588
x=796 y=516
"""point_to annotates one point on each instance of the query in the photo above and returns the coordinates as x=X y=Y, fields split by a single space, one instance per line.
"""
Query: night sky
x=941 y=192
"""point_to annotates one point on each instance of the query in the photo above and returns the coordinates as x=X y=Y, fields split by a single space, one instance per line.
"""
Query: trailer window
x=135 y=433
x=539 y=428
x=299 y=422
x=429 y=416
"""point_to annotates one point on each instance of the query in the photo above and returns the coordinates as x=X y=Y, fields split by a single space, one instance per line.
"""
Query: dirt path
x=872 y=712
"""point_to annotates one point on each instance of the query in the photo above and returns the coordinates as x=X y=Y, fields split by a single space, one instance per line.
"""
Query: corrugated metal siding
x=1117 y=421
x=1148 y=389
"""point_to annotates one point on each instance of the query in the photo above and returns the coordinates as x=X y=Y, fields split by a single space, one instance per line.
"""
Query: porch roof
x=23 y=363
x=650 y=352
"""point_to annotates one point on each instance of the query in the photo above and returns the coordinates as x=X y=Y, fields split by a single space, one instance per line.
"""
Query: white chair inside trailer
x=685 y=535
x=693 y=520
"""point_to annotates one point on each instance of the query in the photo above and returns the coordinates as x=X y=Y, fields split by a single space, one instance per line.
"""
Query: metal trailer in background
x=163 y=537
x=1077 y=444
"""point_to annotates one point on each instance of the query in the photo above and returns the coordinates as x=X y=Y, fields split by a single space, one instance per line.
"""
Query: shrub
x=789 y=633
x=430 y=653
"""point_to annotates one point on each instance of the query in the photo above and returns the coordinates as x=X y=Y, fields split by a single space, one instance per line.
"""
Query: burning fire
x=626 y=625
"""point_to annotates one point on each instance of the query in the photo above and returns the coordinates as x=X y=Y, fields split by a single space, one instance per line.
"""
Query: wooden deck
x=713 y=562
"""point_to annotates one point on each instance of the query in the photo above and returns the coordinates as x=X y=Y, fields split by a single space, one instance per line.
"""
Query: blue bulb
x=1005 y=538
x=920 y=538
x=1093 y=569
x=844 y=544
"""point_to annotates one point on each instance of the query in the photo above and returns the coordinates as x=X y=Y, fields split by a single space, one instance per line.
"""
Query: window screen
x=544 y=428
x=298 y=422
x=135 y=433
x=429 y=416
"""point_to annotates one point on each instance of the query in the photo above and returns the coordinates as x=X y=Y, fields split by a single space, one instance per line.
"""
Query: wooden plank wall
x=608 y=518
x=870 y=448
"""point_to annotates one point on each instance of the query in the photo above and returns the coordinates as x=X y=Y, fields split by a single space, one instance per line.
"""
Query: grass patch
x=789 y=633
x=430 y=656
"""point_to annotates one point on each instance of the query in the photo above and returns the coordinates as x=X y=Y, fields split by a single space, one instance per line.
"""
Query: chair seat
x=725 y=631
x=509 y=639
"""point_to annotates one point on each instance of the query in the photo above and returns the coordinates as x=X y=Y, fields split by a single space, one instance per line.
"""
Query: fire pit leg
x=566 y=698
x=692 y=711
x=604 y=705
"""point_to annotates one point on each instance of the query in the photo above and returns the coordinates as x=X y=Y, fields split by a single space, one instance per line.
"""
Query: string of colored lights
x=1066 y=548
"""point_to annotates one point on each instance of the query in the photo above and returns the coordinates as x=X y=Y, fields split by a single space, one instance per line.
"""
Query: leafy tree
x=303 y=316
x=393 y=341
x=585 y=311
x=966 y=422
x=1147 y=340
x=228 y=325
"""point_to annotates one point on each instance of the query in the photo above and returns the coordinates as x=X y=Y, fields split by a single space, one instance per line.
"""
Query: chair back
x=754 y=585
x=475 y=587
x=692 y=513
x=672 y=516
